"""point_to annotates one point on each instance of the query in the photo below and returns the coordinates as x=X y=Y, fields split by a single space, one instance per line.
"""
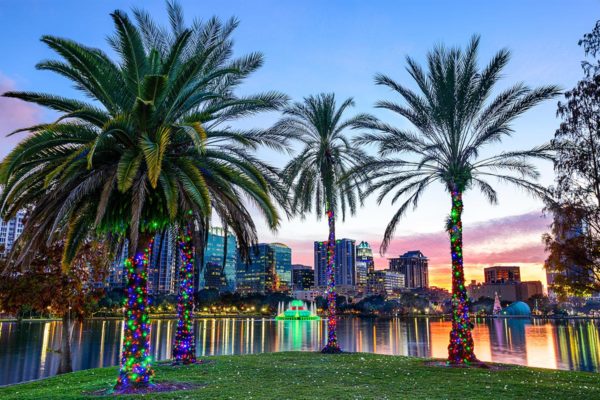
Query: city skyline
x=509 y=233
x=309 y=199
x=522 y=246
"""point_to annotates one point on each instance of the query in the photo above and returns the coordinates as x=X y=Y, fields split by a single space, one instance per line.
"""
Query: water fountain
x=297 y=311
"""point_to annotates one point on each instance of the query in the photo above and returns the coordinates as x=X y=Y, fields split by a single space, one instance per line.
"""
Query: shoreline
x=258 y=316
x=356 y=375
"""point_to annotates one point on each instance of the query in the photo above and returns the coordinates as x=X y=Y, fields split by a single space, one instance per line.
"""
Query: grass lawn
x=316 y=376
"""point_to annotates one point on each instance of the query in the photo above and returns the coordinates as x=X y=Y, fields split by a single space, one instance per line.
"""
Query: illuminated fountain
x=297 y=311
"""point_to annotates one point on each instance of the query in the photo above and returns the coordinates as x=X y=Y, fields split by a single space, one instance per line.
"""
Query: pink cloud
x=511 y=240
x=14 y=114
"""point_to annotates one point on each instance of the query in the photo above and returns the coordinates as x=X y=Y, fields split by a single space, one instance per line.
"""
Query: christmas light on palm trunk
x=332 y=343
x=460 y=349
x=136 y=364
x=184 y=347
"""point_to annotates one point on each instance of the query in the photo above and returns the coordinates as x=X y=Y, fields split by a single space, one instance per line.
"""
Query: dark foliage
x=574 y=242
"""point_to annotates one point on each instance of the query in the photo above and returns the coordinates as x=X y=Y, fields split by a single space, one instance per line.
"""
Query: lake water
x=26 y=349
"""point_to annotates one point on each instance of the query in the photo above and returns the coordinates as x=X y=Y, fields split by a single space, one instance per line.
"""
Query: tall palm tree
x=314 y=175
x=455 y=119
x=220 y=144
x=137 y=160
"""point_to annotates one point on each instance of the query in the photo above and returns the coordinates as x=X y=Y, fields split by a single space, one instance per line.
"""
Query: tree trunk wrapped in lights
x=136 y=365
x=332 y=343
x=460 y=349
x=184 y=347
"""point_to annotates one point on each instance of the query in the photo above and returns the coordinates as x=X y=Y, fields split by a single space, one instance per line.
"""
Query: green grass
x=316 y=376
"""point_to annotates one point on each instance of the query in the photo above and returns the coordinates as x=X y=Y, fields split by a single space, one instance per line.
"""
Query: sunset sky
x=338 y=46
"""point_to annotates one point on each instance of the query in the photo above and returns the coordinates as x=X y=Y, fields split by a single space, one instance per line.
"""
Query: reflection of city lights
x=45 y=339
x=563 y=345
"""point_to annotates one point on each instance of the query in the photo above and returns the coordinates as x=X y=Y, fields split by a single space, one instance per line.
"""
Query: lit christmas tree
x=497 y=305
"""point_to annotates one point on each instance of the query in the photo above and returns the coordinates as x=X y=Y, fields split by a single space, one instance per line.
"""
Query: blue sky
x=338 y=46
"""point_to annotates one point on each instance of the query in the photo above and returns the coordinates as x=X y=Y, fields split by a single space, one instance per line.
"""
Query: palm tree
x=455 y=119
x=313 y=176
x=221 y=145
x=137 y=160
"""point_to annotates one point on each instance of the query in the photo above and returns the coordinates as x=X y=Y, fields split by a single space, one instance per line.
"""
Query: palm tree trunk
x=332 y=344
x=184 y=347
x=65 y=364
x=460 y=349
x=136 y=367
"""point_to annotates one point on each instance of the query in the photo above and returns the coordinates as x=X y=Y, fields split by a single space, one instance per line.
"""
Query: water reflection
x=27 y=350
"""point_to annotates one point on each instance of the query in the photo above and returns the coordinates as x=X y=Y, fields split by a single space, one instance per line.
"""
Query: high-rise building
x=345 y=263
x=214 y=277
x=10 y=231
x=415 y=268
x=303 y=277
x=269 y=269
x=282 y=255
x=394 y=281
x=364 y=264
x=528 y=289
x=116 y=273
x=502 y=274
x=219 y=271
x=162 y=269
x=376 y=283
x=505 y=281
x=384 y=282
x=165 y=259
x=506 y=291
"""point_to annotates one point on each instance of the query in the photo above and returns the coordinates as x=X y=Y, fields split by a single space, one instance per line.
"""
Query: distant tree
x=391 y=307
x=207 y=297
x=591 y=306
x=574 y=242
x=112 y=299
x=483 y=304
x=370 y=305
x=46 y=287
x=321 y=302
x=412 y=301
x=541 y=303
x=591 y=46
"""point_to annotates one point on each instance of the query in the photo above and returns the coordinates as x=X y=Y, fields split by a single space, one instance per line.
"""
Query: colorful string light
x=136 y=363
x=184 y=346
x=332 y=343
x=460 y=349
